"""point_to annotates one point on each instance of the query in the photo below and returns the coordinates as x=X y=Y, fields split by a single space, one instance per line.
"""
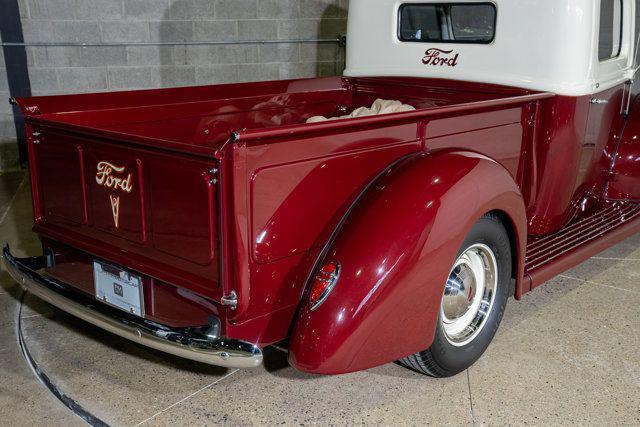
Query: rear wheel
x=473 y=302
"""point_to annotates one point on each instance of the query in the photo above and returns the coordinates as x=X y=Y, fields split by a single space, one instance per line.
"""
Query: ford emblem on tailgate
x=111 y=176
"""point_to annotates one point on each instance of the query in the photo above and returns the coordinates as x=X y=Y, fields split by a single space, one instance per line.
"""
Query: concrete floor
x=569 y=353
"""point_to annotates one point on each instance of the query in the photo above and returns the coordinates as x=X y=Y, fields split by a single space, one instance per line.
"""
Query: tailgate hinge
x=230 y=300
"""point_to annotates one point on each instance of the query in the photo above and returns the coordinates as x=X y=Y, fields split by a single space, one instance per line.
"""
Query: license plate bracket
x=118 y=288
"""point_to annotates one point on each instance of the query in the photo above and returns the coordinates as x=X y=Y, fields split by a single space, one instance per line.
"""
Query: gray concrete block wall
x=8 y=146
x=55 y=70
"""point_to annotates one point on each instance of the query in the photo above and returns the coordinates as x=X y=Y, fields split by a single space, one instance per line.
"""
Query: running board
x=550 y=255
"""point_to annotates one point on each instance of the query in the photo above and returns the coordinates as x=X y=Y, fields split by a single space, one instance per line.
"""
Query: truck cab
x=582 y=51
x=210 y=222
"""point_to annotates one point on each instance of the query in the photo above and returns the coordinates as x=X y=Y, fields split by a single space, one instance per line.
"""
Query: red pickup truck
x=210 y=222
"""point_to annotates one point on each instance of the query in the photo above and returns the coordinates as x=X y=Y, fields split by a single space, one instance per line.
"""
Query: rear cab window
x=447 y=22
x=610 y=37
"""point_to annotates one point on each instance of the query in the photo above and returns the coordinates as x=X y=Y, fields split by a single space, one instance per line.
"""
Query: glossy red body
x=419 y=212
x=389 y=197
x=624 y=166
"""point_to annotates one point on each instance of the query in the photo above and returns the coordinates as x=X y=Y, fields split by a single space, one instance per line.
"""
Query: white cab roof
x=545 y=45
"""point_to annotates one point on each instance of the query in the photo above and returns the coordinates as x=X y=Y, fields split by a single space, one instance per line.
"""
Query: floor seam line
x=599 y=284
x=31 y=316
x=186 y=398
x=615 y=259
x=473 y=416
x=13 y=199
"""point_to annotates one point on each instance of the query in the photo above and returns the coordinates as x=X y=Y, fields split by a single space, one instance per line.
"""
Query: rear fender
x=396 y=249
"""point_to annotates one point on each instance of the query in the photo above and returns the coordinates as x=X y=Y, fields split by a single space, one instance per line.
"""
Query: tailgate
x=152 y=208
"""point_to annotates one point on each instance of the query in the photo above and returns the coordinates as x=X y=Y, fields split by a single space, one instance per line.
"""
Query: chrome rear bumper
x=202 y=344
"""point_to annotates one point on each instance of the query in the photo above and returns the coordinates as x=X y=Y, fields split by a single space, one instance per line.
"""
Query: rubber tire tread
x=426 y=362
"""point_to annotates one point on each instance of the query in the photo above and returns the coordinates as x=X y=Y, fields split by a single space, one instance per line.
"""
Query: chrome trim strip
x=201 y=344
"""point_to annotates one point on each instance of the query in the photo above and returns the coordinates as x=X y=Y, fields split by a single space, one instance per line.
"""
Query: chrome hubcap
x=469 y=294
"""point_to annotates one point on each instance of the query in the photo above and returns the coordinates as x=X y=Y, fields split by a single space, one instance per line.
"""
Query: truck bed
x=187 y=119
x=229 y=190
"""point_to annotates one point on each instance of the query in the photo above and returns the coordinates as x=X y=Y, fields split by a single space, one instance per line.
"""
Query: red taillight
x=323 y=283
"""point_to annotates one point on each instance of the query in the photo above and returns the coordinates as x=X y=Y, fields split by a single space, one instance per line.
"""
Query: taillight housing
x=323 y=282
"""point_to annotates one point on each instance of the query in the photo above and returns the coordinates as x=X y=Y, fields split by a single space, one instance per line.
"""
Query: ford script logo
x=112 y=176
x=439 y=58
x=116 y=178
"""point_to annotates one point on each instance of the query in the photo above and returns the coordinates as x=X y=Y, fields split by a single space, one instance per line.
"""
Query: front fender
x=396 y=249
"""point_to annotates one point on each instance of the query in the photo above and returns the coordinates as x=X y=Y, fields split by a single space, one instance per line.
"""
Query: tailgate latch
x=230 y=300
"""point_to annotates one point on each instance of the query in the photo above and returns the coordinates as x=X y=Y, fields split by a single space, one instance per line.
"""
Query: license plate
x=118 y=287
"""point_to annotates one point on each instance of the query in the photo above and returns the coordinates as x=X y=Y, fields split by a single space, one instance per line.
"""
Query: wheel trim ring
x=464 y=329
x=471 y=263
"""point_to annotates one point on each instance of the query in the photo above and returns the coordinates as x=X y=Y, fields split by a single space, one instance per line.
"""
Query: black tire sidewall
x=453 y=359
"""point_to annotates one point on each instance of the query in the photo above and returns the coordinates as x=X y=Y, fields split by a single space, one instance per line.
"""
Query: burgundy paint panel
x=625 y=184
x=563 y=122
x=176 y=306
x=289 y=274
x=502 y=143
x=267 y=329
x=604 y=125
x=307 y=147
x=473 y=122
x=61 y=181
x=625 y=177
x=183 y=204
x=293 y=204
x=571 y=157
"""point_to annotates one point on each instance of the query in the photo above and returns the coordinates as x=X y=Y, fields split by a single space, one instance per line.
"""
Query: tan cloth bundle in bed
x=380 y=106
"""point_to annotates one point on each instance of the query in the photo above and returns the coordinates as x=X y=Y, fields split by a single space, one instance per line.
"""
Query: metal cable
x=338 y=40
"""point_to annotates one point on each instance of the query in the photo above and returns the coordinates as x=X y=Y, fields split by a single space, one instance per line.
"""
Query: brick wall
x=55 y=70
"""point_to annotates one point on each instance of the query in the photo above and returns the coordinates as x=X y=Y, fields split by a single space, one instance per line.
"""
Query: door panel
x=603 y=121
